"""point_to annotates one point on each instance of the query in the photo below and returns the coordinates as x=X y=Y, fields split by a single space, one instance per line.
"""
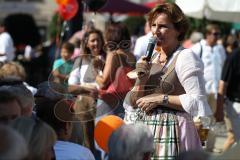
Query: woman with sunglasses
x=119 y=61
x=213 y=56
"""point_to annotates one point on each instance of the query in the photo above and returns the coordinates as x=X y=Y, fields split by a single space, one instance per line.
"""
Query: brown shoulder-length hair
x=117 y=36
x=175 y=15
x=85 y=49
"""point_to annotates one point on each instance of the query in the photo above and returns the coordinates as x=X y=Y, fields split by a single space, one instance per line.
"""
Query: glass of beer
x=203 y=125
x=203 y=134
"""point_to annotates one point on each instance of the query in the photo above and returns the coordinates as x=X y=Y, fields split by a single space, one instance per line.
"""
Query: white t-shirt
x=71 y=151
x=189 y=70
x=79 y=75
x=6 y=47
x=213 y=59
x=141 y=46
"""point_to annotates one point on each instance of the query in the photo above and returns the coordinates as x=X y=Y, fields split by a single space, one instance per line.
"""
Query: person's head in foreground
x=12 y=144
x=131 y=142
x=39 y=136
x=10 y=107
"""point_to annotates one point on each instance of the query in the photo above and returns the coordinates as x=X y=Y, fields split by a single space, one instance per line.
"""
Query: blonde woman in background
x=16 y=71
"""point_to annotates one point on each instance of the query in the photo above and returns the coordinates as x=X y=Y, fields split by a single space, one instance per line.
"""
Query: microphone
x=151 y=44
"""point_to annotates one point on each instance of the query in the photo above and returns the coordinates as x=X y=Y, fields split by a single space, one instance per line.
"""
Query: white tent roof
x=221 y=10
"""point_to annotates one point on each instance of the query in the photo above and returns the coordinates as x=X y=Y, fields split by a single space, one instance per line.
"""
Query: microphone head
x=153 y=40
x=150 y=48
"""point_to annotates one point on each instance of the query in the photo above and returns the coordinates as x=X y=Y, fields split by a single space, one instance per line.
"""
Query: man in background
x=213 y=57
x=142 y=42
x=6 y=44
x=228 y=99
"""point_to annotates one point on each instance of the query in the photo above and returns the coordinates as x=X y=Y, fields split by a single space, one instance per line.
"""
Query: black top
x=231 y=75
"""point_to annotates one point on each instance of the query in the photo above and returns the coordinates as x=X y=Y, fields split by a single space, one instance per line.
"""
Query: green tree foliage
x=54 y=27
x=135 y=24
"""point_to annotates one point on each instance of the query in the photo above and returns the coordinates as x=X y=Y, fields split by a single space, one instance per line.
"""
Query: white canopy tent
x=220 y=10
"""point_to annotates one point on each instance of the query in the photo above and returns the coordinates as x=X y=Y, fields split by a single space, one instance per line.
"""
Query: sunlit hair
x=38 y=135
x=85 y=50
x=211 y=27
x=175 y=15
x=131 y=142
x=12 y=69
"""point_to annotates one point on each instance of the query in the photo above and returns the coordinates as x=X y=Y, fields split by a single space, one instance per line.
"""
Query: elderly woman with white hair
x=131 y=142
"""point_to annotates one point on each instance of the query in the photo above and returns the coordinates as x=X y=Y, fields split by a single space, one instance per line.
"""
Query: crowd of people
x=159 y=98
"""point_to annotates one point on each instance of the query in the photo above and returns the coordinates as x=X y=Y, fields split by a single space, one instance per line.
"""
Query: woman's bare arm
x=151 y=101
x=109 y=71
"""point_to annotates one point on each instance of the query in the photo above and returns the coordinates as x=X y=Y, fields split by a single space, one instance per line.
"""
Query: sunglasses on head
x=215 y=33
x=124 y=44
